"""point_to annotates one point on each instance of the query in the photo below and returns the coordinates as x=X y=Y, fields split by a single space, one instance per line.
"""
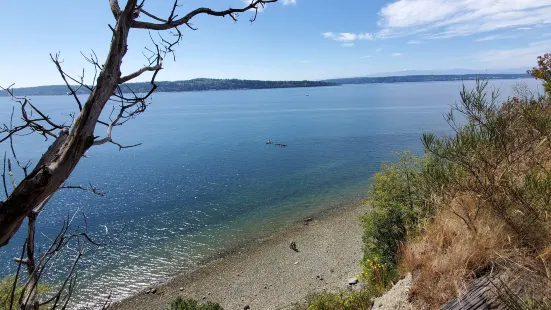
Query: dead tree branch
x=71 y=142
x=171 y=23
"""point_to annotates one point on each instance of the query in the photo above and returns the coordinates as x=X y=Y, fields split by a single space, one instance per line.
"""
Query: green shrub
x=490 y=182
x=6 y=286
x=543 y=72
x=501 y=155
x=191 y=304
x=398 y=199
x=360 y=300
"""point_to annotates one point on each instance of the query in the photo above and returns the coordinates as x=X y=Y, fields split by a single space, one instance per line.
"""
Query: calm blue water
x=204 y=180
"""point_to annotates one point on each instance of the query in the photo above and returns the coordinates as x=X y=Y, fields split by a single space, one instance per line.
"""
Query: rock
x=353 y=281
x=293 y=246
x=296 y=263
x=397 y=298
x=153 y=291
x=181 y=289
x=246 y=307
x=148 y=291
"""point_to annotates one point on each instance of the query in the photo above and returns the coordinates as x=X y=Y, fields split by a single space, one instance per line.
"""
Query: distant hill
x=426 y=78
x=454 y=71
x=178 y=86
x=234 y=84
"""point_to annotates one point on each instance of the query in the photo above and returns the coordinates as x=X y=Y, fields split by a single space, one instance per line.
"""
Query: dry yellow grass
x=450 y=253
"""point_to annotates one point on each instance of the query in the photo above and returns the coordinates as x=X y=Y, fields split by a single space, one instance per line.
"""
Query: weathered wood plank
x=474 y=298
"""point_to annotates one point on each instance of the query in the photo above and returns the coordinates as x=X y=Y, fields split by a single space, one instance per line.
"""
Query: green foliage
x=543 y=72
x=191 y=304
x=360 y=300
x=6 y=285
x=398 y=198
x=500 y=156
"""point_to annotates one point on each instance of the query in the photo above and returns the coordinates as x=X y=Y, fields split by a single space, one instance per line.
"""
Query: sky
x=290 y=40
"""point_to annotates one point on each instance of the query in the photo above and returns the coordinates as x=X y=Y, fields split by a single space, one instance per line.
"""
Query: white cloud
x=347 y=36
x=348 y=44
x=366 y=56
x=450 y=18
x=379 y=49
x=303 y=61
x=517 y=57
x=288 y=2
x=414 y=42
x=496 y=37
x=397 y=54
x=365 y=36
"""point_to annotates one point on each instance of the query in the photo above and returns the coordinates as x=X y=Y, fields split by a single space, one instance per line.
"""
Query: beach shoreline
x=266 y=273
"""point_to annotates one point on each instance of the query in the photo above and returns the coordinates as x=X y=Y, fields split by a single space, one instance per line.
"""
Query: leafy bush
x=543 y=72
x=191 y=304
x=341 y=301
x=6 y=286
x=500 y=156
x=490 y=184
x=398 y=198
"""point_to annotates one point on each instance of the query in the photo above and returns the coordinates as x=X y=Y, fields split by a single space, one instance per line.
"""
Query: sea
x=204 y=180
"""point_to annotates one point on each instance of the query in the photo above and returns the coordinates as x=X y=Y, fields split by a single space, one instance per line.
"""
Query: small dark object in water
x=280 y=144
x=308 y=220
x=293 y=246
x=269 y=142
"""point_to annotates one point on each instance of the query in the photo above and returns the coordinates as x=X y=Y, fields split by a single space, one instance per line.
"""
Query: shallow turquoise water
x=204 y=179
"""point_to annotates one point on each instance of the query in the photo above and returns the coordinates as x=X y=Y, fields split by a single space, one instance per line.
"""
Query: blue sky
x=291 y=39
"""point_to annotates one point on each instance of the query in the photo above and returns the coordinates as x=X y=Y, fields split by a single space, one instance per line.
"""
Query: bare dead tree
x=72 y=138
x=71 y=141
x=73 y=241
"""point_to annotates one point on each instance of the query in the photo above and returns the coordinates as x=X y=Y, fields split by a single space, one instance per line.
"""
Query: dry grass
x=449 y=254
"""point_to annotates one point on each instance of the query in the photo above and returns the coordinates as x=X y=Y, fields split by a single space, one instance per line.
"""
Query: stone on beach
x=353 y=281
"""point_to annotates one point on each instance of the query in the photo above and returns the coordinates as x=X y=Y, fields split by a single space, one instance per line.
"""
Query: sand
x=267 y=274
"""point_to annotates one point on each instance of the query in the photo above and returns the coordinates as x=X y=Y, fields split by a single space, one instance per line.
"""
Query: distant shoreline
x=196 y=85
